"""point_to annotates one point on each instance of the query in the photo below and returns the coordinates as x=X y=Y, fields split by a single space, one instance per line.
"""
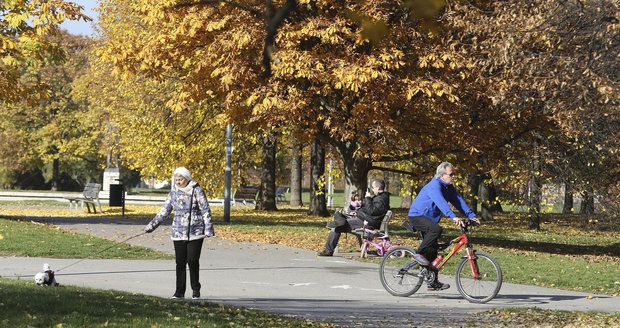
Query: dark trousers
x=348 y=225
x=431 y=231
x=187 y=254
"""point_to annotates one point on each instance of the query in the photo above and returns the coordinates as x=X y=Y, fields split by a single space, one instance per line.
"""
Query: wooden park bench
x=246 y=194
x=281 y=193
x=90 y=196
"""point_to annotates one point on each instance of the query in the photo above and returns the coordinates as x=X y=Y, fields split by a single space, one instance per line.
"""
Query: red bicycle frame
x=458 y=243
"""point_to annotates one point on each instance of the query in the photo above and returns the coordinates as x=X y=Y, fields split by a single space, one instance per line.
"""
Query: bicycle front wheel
x=489 y=281
x=400 y=273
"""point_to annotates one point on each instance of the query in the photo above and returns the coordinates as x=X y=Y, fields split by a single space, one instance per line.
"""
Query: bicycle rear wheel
x=488 y=283
x=400 y=273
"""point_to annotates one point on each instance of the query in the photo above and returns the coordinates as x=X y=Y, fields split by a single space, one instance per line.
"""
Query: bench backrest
x=281 y=190
x=246 y=192
x=91 y=190
x=386 y=221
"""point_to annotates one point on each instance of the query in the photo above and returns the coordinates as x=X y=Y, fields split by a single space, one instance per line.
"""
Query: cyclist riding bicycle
x=425 y=213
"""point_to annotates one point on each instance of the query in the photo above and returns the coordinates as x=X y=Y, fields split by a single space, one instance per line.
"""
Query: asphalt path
x=285 y=280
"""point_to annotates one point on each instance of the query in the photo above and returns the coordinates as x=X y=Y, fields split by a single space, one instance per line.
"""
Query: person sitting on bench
x=376 y=205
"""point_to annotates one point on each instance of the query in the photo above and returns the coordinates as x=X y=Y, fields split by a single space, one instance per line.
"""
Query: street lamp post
x=227 y=175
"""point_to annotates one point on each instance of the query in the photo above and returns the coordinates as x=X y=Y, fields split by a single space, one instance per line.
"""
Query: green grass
x=24 y=304
x=395 y=200
x=24 y=238
x=535 y=317
x=33 y=202
x=553 y=271
x=568 y=254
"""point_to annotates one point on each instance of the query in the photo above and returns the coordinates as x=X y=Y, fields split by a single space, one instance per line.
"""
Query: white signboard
x=110 y=176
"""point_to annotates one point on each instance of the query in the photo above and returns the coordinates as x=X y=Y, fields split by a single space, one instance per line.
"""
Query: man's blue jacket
x=433 y=200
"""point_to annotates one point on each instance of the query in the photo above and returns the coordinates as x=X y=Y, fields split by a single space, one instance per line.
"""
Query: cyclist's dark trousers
x=351 y=224
x=187 y=254
x=431 y=231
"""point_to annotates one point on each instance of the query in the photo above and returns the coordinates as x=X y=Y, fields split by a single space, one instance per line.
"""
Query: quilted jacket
x=186 y=225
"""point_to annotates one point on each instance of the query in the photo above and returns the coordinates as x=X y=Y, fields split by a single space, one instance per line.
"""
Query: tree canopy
x=25 y=27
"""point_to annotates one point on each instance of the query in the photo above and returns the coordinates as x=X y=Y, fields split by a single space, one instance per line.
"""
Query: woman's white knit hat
x=182 y=171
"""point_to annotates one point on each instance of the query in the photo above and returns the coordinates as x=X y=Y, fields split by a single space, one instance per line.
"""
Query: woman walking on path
x=191 y=224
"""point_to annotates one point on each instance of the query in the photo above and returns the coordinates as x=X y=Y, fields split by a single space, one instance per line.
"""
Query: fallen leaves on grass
x=535 y=317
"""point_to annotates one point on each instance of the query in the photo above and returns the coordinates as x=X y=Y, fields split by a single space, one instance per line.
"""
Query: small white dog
x=46 y=277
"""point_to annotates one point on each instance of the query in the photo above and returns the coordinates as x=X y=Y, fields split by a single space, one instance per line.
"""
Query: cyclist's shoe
x=436 y=285
x=196 y=295
x=177 y=296
x=421 y=259
x=325 y=253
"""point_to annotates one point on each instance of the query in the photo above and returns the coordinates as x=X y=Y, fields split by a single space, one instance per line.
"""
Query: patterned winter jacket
x=201 y=225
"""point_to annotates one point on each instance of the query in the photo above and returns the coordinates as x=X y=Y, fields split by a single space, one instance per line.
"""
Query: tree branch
x=388 y=169
x=257 y=13
x=274 y=19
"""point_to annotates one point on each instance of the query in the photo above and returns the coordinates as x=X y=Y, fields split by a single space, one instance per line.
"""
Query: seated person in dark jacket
x=373 y=211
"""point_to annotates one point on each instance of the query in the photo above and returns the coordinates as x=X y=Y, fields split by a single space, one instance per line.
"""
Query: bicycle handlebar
x=467 y=223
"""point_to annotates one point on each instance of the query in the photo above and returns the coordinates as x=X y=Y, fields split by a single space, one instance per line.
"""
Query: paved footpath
x=285 y=280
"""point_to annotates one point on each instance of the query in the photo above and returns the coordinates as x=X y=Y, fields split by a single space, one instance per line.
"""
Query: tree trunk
x=296 y=175
x=55 y=175
x=355 y=171
x=486 y=211
x=587 y=203
x=473 y=181
x=386 y=179
x=534 y=186
x=568 y=199
x=267 y=194
x=318 y=203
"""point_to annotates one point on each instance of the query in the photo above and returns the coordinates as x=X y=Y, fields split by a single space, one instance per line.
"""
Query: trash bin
x=117 y=195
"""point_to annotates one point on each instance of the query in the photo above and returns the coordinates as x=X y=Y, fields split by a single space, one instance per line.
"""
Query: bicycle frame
x=458 y=243
x=405 y=278
x=382 y=246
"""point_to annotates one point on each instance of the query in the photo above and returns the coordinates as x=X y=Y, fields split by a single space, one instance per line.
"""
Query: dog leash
x=101 y=251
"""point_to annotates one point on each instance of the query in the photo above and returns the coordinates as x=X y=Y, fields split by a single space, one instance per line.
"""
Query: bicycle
x=478 y=275
x=382 y=246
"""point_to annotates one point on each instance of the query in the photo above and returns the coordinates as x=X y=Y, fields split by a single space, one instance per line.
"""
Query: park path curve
x=284 y=280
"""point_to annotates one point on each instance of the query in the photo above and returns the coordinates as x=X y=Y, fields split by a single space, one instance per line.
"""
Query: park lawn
x=26 y=305
x=559 y=256
x=26 y=238
x=535 y=317
x=568 y=253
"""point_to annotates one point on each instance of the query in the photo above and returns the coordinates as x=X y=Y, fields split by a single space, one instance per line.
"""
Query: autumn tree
x=25 y=27
x=552 y=66
x=369 y=78
x=53 y=133
x=139 y=119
